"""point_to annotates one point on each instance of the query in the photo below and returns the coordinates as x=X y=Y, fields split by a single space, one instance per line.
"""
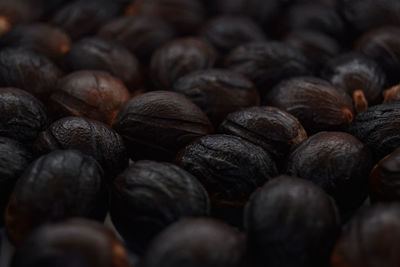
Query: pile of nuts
x=219 y=133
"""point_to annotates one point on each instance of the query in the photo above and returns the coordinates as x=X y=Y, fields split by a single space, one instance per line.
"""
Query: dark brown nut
x=14 y=159
x=357 y=75
x=316 y=103
x=365 y=15
x=39 y=37
x=56 y=186
x=93 y=94
x=218 y=92
x=128 y=31
x=158 y=124
x=316 y=46
x=95 y=53
x=227 y=32
x=392 y=94
x=22 y=115
x=185 y=16
x=83 y=17
x=379 y=128
x=267 y=63
x=149 y=196
x=315 y=17
x=263 y=12
x=291 y=222
x=385 y=179
x=178 y=58
x=273 y=129
x=371 y=239
x=14 y=12
x=230 y=168
x=339 y=163
x=28 y=71
x=90 y=137
x=75 y=242
x=383 y=46
x=197 y=242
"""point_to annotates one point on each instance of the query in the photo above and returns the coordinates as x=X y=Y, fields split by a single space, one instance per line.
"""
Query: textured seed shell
x=22 y=115
x=379 y=128
x=178 y=58
x=229 y=167
x=158 y=124
x=39 y=37
x=267 y=63
x=273 y=129
x=28 y=71
x=149 y=196
x=206 y=242
x=336 y=161
x=382 y=45
x=315 y=102
x=128 y=31
x=75 y=242
x=227 y=32
x=92 y=94
x=91 y=137
x=353 y=71
x=385 y=179
x=291 y=222
x=56 y=186
x=94 y=53
x=371 y=239
x=218 y=92
x=14 y=159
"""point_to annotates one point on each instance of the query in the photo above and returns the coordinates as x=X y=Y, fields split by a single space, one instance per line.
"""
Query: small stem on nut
x=5 y=25
x=392 y=94
x=360 y=102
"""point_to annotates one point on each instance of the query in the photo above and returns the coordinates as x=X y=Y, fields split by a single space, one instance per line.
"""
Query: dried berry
x=14 y=158
x=206 y=242
x=385 y=178
x=273 y=129
x=317 y=47
x=94 y=53
x=267 y=63
x=185 y=16
x=28 y=71
x=218 y=92
x=379 y=128
x=128 y=31
x=38 y=37
x=316 y=103
x=92 y=94
x=339 y=163
x=149 y=196
x=56 y=186
x=22 y=115
x=227 y=32
x=75 y=242
x=83 y=17
x=230 y=168
x=178 y=58
x=291 y=222
x=382 y=45
x=90 y=137
x=357 y=75
x=371 y=239
x=158 y=124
